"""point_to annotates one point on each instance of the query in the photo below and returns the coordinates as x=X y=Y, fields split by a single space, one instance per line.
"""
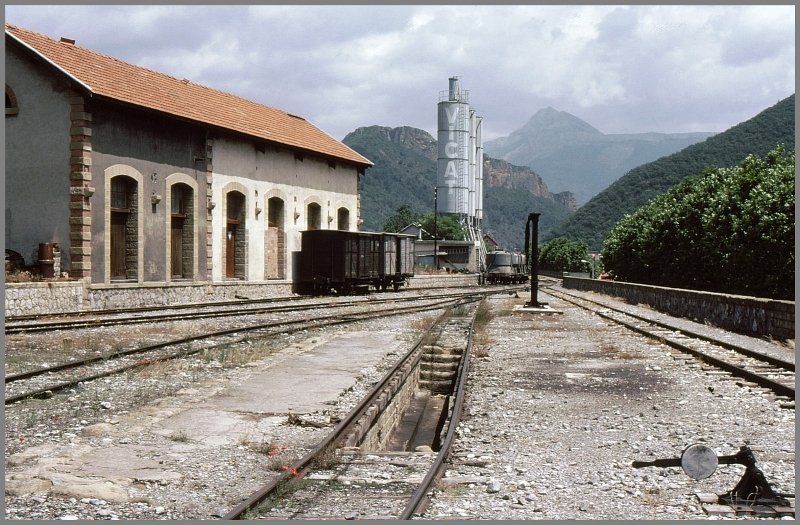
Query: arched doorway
x=124 y=234
x=235 y=245
x=276 y=239
x=181 y=231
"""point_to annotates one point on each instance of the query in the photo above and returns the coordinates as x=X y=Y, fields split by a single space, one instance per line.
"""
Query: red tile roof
x=109 y=77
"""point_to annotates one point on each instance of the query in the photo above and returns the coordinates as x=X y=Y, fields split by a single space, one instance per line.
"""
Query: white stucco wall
x=275 y=173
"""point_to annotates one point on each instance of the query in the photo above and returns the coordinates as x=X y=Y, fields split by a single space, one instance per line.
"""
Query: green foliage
x=730 y=230
x=444 y=226
x=758 y=136
x=402 y=218
x=562 y=255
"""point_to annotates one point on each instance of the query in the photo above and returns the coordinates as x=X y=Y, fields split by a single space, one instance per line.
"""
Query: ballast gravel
x=559 y=406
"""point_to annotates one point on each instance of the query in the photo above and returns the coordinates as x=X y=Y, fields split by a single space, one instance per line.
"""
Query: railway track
x=768 y=371
x=179 y=312
x=336 y=481
x=43 y=382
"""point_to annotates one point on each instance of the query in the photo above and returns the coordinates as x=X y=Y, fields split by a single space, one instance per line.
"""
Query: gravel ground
x=561 y=404
x=559 y=407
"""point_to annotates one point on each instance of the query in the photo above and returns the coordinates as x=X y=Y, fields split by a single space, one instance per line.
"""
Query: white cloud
x=621 y=68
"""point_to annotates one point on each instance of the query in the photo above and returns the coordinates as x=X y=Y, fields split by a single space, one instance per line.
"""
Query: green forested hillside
x=758 y=135
x=507 y=212
x=405 y=174
x=400 y=176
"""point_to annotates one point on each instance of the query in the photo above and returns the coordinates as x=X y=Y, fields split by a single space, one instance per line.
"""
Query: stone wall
x=44 y=297
x=748 y=315
x=429 y=281
x=77 y=296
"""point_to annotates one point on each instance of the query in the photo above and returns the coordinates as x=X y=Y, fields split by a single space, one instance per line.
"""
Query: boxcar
x=397 y=260
x=346 y=262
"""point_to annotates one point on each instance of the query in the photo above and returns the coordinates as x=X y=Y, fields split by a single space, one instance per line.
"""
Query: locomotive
x=347 y=262
x=506 y=268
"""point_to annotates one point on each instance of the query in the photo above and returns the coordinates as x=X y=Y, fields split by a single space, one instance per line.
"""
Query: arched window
x=276 y=239
x=343 y=219
x=12 y=108
x=314 y=214
x=181 y=231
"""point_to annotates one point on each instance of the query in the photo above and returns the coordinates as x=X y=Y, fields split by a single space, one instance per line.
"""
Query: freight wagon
x=346 y=262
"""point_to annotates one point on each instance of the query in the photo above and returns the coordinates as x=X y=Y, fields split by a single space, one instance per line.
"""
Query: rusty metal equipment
x=753 y=490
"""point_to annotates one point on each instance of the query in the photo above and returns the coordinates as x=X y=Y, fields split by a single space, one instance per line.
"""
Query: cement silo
x=478 y=133
x=452 y=176
x=459 y=176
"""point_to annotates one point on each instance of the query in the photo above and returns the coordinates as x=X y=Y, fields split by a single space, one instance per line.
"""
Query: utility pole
x=435 y=226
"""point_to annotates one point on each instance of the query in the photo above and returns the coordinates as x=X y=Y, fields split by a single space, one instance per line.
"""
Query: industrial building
x=133 y=177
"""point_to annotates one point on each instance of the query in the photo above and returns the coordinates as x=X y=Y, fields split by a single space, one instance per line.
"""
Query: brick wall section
x=209 y=230
x=187 y=243
x=80 y=176
x=747 y=315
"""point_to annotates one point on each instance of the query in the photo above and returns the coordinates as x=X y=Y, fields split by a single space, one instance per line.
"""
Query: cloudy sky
x=623 y=69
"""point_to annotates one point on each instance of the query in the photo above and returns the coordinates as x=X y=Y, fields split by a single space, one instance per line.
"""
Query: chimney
x=70 y=41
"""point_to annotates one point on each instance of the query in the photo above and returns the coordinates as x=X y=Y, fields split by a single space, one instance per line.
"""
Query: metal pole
x=533 y=219
x=435 y=226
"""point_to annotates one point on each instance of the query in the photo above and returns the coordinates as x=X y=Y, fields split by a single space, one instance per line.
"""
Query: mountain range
x=405 y=161
x=758 y=135
x=405 y=171
x=571 y=155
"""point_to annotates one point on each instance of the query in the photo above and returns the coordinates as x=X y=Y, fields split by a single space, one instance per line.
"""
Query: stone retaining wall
x=429 y=281
x=748 y=315
x=76 y=296
x=44 y=297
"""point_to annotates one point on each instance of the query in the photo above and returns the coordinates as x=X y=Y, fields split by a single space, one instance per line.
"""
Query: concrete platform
x=247 y=405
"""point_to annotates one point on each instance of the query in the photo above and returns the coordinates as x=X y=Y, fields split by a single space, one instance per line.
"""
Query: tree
x=446 y=227
x=562 y=255
x=401 y=218
x=730 y=230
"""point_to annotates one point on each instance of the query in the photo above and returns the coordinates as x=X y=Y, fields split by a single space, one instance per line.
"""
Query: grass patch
x=481 y=339
x=179 y=437
x=285 y=488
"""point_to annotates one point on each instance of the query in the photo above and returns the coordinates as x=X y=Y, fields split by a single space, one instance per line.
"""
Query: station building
x=137 y=177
